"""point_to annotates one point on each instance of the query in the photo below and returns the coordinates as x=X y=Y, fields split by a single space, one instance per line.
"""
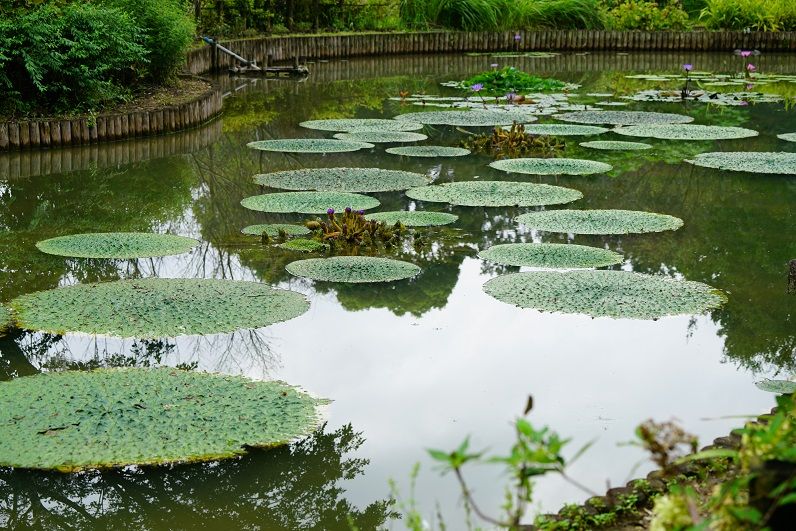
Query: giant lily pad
x=273 y=229
x=413 y=218
x=474 y=118
x=157 y=307
x=308 y=202
x=428 y=151
x=119 y=245
x=74 y=420
x=599 y=221
x=686 y=132
x=495 y=193
x=618 y=294
x=343 y=179
x=553 y=255
x=790 y=137
x=564 y=129
x=308 y=145
x=381 y=137
x=616 y=145
x=781 y=387
x=748 y=161
x=623 y=117
x=537 y=166
x=353 y=269
x=303 y=245
x=354 y=124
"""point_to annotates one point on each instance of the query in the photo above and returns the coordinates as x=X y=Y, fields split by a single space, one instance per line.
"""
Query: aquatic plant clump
x=495 y=193
x=119 y=245
x=381 y=137
x=552 y=255
x=273 y=230
x=498 y=82
x=353 y=269
x=564 y=129
x=303 y=245
x=599 y=221
x=157 y=307
x=782 y=163
x=343 y=179
x=308 y=202
x=74 y=420
x=617 y=294
x=413 y=218
x=514 y=142
x=623 y=117
x=308 y=145
x=353 y=124
x=473 y=118
x=428 y=151
x=781 y=387
x=616 y=145
x=537 y=166
x=686 y=132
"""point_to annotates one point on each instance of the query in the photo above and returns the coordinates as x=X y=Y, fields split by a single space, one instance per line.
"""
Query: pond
x=423 y=363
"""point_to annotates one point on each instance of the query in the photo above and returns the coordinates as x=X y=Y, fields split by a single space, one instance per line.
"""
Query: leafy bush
x=499 y=82
x=772 y=15
x=645 y=15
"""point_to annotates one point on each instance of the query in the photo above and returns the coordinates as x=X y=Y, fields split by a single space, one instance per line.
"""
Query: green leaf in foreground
x=564 y=129
x=5 y=318
x=273 y=229
x=551 y=255
x=623 y=117
x=616 y=145
x=381 y=137
x=413 y=218
x=783 y=163
x=309 y=202
x=120 y=245
x=539 y=166
x=353 y=269
x=474 y=118
x=599 y=221
x=157 y=307
x=428 y=151
x=343 y=179
x=685 y=132
x=353 y=124
x=308 y=145
x=790 y=137
x=75 y=420
x=617 y=294
x=303 y=245
x=781 y=387
x=495 y=193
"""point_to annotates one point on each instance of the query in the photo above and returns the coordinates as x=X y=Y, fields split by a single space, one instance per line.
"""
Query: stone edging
x=332 y=46
x=84 y=130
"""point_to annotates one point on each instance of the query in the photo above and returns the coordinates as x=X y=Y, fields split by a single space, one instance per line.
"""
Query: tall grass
x=757 y=15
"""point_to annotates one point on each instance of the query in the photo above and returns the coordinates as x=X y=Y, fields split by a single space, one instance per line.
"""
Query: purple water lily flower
x=511 y=96
x=361 y=212
x=477 y=87
x=347 y=210
x=517 y=37
x=745 y=53
x=750 y=67
x=688 y=67
x=330 y=212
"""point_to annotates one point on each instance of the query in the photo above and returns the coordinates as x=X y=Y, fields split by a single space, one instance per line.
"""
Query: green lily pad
x=473 y=118
x=618 y=294
x=599 y=221
x=308 y=145
x=157 y=307
x=428 y=151
x=413 y=218
x=537 y=166
x=381 y=137
x=748 y=161
x=343 y=179
x=303 y=245
x=685 y=132
x=273 y=229
x=308 y=202
x=75 y=420
x=495 y=193
x=552 y=255
x=564 y=129
x=623 y=117
x=616 y=145
x=790 y=137
x=353 y=124
x=121 y=245
x=353 y=269
x=781 y=387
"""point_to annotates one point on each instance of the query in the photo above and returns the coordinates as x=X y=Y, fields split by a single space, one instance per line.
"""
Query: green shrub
x=771 y=15
x=645 y=15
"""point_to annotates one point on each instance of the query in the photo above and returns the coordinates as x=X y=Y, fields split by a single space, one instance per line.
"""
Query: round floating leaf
x=616 y=145
x=495 y=193
x=538 y=166
x=623 y=117
x=790 y=137
x=117 y=245
x=413 y=218
x=343 y=179
x=353 y=124
x=308 y=145
x=617 y=294
x=273 y=229
x=748 y=161
x=599 y=221
x=353 y=269
x=428 y=151
x=474 y=118
x=686 y=132
x=73 y=420
x=781 y=387
x=303 y=245
x=308 y=202
x=377 y=137
x=564 y=129
x=553 y=255
x=157 y=307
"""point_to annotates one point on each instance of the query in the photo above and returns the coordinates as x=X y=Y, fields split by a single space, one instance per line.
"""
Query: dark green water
x=418 y=364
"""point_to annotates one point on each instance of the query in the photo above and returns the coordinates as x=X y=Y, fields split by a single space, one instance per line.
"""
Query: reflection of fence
x=381 y=44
